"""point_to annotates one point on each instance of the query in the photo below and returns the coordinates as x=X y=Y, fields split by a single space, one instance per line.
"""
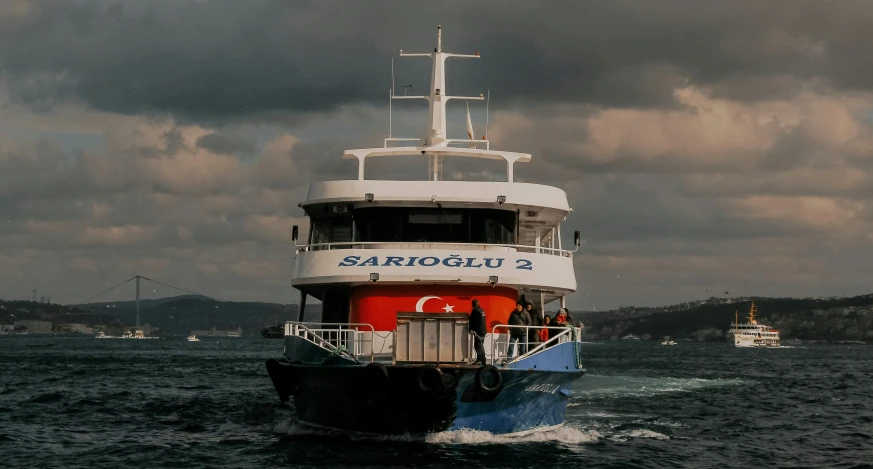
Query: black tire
x=496 y=378
x=377 y=373
x=430 y=380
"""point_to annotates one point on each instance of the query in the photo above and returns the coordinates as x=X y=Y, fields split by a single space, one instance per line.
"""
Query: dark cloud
x=700 y=143
x=228 y=59
x=227 y=144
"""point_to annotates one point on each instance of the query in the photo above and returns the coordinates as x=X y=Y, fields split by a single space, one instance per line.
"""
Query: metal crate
x=432 y=338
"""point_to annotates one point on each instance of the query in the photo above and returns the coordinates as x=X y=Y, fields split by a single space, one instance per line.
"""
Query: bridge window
x=331 y=231
x=434 y=225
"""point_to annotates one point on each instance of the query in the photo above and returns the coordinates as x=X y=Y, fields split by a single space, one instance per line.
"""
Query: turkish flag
x=379 y=304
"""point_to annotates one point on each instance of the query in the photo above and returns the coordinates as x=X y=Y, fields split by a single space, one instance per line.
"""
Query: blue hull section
x=535 y=394
x=330 y=390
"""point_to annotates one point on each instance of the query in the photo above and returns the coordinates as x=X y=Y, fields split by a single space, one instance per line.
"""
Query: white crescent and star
x=419 y=306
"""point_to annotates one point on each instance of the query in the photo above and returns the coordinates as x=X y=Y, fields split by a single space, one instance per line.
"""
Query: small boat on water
x=273 y=332
x=668 y=342
x=752 y=334
x=630 y=337
x=193 y=338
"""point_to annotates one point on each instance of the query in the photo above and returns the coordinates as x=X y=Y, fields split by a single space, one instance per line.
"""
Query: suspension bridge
x=138 y=279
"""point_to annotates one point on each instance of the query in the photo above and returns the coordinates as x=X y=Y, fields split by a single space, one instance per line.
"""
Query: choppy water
x=81 y=402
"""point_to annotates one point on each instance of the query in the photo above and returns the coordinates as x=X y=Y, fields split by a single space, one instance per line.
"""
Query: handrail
x=565 y=331
x=334 y=328
x=432 y=245
x=340 y=324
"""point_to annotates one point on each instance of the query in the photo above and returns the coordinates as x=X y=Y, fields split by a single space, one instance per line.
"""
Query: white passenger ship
x=752 y=334
x=396 y=265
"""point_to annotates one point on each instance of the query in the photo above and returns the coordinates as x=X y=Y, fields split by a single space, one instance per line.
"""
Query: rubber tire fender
x=498 y=378
x=430 y=373
x=377 y=373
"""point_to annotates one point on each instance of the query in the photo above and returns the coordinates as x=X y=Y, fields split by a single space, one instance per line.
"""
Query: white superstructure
x=752 y=334
x=374 y=242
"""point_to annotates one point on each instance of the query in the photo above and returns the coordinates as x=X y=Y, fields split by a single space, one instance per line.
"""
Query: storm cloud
x=705 y=146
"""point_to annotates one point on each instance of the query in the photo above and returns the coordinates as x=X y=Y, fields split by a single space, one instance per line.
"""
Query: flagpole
x=487 y=100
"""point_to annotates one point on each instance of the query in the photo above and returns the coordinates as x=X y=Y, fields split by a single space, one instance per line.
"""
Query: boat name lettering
x=454 y=260
x=546 y=388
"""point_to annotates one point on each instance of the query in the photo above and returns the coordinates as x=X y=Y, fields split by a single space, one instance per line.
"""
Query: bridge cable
x=106 y=291
x=182 y=289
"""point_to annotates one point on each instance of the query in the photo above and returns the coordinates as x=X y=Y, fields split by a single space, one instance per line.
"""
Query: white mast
x=435 y=142
x=436 y=132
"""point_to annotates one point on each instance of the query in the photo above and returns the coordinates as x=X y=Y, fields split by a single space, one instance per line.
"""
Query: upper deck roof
x=450 y=193
x=539 y=203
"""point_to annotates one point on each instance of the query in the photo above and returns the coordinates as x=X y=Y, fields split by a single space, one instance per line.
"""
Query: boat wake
x=635 y=386
x=567 y=435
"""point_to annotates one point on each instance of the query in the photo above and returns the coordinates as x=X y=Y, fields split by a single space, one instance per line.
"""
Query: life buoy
x=495 y=377
x=430 y=379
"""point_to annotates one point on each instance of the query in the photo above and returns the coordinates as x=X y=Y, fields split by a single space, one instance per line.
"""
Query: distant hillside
x=831 y=319
x=174 y=315
x=805 y=319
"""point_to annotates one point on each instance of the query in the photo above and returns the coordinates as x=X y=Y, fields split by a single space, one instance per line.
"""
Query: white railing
x=430 y=245
x=504 y=350
x=356 y=339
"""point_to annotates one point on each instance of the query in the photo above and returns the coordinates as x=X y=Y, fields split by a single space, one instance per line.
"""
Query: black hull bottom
x=377 y=399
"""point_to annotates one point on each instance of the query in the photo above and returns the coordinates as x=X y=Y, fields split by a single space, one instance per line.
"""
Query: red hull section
x=379 y=304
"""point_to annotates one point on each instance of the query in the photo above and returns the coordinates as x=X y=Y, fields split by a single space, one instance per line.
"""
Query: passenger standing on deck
x=544 y=332
x=533 y=335
x=477 y=327
x=517 y=335
x=568 y=317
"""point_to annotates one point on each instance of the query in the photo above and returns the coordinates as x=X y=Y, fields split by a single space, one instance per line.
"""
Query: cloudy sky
x=705 y=146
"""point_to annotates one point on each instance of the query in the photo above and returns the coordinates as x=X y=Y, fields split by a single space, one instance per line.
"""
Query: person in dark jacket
x=517 y=335
x=568 y=317
x=477 y=327
x=533 y=335
x=525 y=314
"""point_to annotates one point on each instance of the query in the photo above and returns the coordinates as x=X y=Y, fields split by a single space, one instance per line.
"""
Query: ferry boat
x=752 y=334
x=193 y=338
x=273 y=332
x=396 y=265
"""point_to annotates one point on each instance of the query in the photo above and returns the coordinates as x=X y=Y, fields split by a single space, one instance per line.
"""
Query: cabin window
x=330 y=231
x=434 y=225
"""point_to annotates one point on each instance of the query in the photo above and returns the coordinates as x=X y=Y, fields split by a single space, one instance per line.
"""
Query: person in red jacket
x=544 y=333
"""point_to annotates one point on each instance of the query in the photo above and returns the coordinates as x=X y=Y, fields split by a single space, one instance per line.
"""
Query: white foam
x=643 y=433
x=567 y=435
x=599 y=386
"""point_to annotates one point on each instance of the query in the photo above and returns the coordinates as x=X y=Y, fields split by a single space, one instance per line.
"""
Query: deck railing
x=432 y=245
x=505 y=350
x=350 y=338
x=357 y=340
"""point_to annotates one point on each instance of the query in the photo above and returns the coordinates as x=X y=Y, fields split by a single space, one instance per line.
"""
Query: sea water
x=82 y=402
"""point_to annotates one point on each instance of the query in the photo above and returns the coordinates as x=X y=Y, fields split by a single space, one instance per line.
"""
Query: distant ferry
x=274 y=332
x=752 y=334
x=630 y=337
